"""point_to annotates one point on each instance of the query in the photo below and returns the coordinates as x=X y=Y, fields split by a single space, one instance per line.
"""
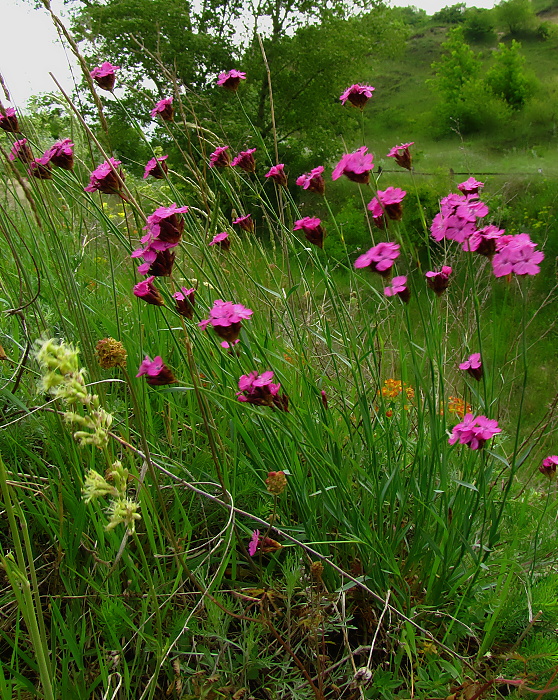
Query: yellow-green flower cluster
x=115 y=483
x=64 y=379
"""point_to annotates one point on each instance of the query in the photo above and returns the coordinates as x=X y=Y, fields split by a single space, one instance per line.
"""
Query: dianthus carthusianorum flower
x=474 y=431
x=245 y=160
x=106 y=178
x=21 y=151
x=439 y=281
x=470 y=186
x=398 y=288
x=230 y=80
x=221 y=240
x=105 y=75
x=258 y=389
x=220 y=158
x=185 y=300
x=312 y=230
x=380 y=258
x=164 y=230
x=355 y=166
x=548 y=466
x=8 y=120
x=156 y=372
x=517 y=255
x=457 y=219
x=225 y=317
x=163 y=109
x=312 y=181
x=387 y=203
x=60 y=154
x=156 y=167
x=402 y=155
x=277 y=173
x=473 y=365
x=147 y=291
x=357 y=95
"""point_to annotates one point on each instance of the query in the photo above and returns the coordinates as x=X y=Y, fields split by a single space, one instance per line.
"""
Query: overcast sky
x=29 y=48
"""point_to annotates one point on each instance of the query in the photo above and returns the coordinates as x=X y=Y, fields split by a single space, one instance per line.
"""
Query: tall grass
x=384 y=532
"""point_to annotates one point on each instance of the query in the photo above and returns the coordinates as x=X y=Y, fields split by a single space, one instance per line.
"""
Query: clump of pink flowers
x=156 y=372
x=263 y=544
x=147 y=291
x=380 y=258
x=245 y=223
x=21 y=151
x=8 y=120
x=398 y=288
x=484 y=241
x=312 y=230
x=164 y=231
x=245 y=160
x=355 y=166
x=60 y=154
x=106 y=178
x=185 y=301
x=473 y=365
x=439 y=281
x=105 y=75
x=163 y=109
x=517 y=255
x=474 y=431
x=221 y=240
x=357 y=95
x=220 y=157
x=226 y=319
x=470 y=186
x=312 y=181
x=548 y=466
x=402 y=155
x=387 y=203
x=457 y=219
x=230 y=80
x=277 y=173
x=260 y=390
x=156 y=167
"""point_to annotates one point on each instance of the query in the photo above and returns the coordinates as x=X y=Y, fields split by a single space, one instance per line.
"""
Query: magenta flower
x=163 y=109
x=311 y=227
x=157 y=168
x=380 y=258
x=457 y=220
x=221 y=240
x=40 y=171
x=484 y=241
x=357 y=95
x=277 y=173
x=402 y=155
x=8 y=120
x=312 y=181
x=21 y=151
x=387 y=203
x=473 y=366
x=398 y=287
x=219 y=158
x=164 y=231
x=474 y=431
x=245 y=160
x=105 y=178
x=60 y=154
x=147 y=291
x=439 y=281
x=470 y=186
x=226 y=318
x=105 y=75
x=156 y=371
x=355 y=166
x=517 y=255
x=230 y=80
x=245 y=223
x=254 y=542
x=548 y=466
x=258 y=389
x=185 y=301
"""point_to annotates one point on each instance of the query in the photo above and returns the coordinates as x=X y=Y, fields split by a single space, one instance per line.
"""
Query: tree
x=479 y=25
x=507 y=78
x=451 y=14
x=516 y=16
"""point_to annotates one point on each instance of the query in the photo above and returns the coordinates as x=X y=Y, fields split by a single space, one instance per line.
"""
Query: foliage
x=507 y=78
x=451 y=14
x=516 y=16
x=479 y=25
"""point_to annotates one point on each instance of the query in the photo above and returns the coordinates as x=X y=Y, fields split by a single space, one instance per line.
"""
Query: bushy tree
x=507 y=77
x=451 y=14
x=479 y=25
x=516 y=16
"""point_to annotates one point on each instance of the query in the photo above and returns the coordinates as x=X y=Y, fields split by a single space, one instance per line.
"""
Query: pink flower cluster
x=164 y=231
x=357 y=95
x=60 y=154
x=516 y=254
x=106 y=178
x=312 y=229
x=457 y=219
x=156 y=167
x=277 y=173
x=380 y=258
x=473 y=365
x=105 y=75
x=398 y=288
x=226 y=319
x=245 y=160
x=257 y=388
x=164 y=110
x=312 y=181
x=230 y=80
x=155 y=371
x=474 y=431
x=402 y=155
x=355 y=166
x=219 y=158
x=387 y=203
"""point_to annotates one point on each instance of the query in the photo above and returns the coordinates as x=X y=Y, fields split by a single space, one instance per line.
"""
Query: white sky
x=29 y=46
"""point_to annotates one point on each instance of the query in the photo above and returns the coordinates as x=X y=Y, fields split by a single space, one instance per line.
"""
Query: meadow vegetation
x=278 y=404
